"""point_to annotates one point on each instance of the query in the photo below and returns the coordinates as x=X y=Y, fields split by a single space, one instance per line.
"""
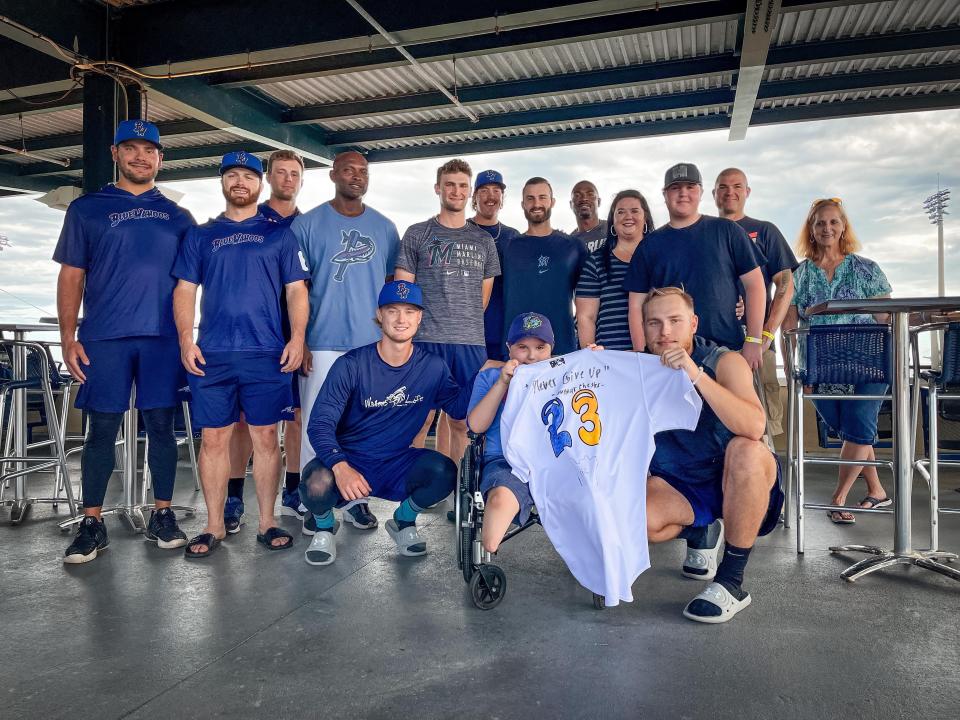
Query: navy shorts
x=388 y=478
x=703 y=489
x=295 y=390
x=464 y=361
x=153 y=363
x=854 y=420
x=240 y=381
x=497 y=473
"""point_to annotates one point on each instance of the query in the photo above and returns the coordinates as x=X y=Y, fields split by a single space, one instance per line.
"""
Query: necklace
x=499 y=228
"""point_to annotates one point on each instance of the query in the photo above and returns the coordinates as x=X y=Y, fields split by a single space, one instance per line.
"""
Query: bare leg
x=749 y=472
x=241 y=448
x=668 y=512
x=291 y=441
x=500 y=510
x=848 y=473
x=214 y=465
x=456 y=438
x=421 y=439
x=266 y=469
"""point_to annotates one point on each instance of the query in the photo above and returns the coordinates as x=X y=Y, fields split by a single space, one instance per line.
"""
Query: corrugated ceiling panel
x=891 y=62
x=865 y=19
x=60 y=122
x=859 y=95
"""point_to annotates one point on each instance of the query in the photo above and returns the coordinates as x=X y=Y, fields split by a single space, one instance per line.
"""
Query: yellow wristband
x=755 y=341
x=768 y=334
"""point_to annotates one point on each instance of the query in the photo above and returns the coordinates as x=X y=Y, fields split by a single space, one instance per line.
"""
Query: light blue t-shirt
x=481 y=386
x=348 y=257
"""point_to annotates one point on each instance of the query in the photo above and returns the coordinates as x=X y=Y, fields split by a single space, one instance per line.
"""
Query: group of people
x=354 y=337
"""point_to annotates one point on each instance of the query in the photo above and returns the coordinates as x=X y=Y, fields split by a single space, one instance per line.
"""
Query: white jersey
x=579 y=429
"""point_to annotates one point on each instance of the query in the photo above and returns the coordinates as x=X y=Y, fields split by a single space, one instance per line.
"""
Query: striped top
x=613 y=331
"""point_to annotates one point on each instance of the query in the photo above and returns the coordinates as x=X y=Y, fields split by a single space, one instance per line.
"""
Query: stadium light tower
x=936 y=207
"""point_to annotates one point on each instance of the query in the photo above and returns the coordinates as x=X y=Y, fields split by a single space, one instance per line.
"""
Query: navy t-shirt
x=493 y=315
x=768 y=239
x=243 y=268
x=540 y=275
x=127 y=244
x=707 y=260
x=369 y=411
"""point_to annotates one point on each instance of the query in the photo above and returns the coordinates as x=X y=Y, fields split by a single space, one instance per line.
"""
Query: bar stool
x=942 y=408
x=33 y=370
x=833 y=354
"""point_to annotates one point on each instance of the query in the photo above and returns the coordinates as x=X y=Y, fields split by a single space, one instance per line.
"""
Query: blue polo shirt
x=369 y=411
x=127 y=244
x=243 y=268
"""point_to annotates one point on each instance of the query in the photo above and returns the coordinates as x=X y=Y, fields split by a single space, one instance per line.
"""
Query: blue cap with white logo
x=137 y=130
x=243 y=159
x=401 y=291
x=531 y=324
x=489 y=177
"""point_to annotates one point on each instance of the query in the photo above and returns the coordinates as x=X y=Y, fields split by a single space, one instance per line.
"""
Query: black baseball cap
x=682 y=173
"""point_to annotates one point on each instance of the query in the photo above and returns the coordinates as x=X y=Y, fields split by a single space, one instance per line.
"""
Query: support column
x=99 y=112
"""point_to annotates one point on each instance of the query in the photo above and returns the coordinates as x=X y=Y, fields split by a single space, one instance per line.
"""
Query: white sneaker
x=322 y=550
x=717 y=595
x=408 y=540
x=702 y=564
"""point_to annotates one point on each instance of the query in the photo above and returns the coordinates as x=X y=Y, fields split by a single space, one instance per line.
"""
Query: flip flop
x=208 y=539
x=836 y=517
x=272 y=534
x=873 y=502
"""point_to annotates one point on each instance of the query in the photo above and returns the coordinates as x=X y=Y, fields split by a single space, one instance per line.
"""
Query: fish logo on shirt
x=357 y=248
x=441 y=252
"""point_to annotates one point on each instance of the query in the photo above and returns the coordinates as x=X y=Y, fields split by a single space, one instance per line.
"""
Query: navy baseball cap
x=531 y=324
x=489 y=177
x=137 y=130
x=682 y=173
x=242 y=159
x=401 y=291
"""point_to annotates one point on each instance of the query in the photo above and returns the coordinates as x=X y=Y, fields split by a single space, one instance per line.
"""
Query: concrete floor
x=142 y=633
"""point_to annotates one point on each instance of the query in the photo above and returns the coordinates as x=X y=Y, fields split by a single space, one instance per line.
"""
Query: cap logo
x=680 y=171
x=139 y=129
x=242 y=158
x=531 y=322
x=491 y=176
x=402 y=291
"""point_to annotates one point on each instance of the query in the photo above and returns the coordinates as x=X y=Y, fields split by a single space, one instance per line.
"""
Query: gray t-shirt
x=450 y=265
x=593 y=239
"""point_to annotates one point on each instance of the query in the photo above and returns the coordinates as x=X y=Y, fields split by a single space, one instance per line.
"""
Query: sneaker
x=91 y=537
x=233 y=514
x=408 y=540
x=701 y=564
x=163 y=530
x=359 y=516
x=322 y=549
x=290 y=504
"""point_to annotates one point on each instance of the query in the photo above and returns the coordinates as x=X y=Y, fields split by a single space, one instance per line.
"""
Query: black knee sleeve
x=431 y=479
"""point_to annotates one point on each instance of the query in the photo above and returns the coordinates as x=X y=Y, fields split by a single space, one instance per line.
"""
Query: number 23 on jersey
x=584 y=403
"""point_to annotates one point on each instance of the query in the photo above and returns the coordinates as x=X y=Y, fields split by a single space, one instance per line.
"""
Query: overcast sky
x=882 y=168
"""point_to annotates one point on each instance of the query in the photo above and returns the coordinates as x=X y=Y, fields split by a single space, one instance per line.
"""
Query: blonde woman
x=832 y=270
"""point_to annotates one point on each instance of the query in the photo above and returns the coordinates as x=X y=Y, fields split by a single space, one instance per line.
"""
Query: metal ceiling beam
x=10 y=180
x=915 y=41
x=51 y=102
x=858 y=108
x=756 y=30
x=567 y=113
x=869 y=80
x=78 y=26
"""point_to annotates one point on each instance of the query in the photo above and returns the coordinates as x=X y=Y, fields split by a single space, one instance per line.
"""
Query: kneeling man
x=371 y=406
x=719 y=470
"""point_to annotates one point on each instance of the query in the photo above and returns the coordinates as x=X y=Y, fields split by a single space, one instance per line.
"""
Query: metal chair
x=840 y=354
x=33 y=370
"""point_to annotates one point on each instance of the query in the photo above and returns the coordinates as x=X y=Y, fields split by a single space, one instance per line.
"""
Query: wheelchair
x=487 y=582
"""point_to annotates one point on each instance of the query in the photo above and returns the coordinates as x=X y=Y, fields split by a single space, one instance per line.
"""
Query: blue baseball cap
x=531 y=324
x=489 y=177
x=401 y=291
x=243 y=159
x=137 y=130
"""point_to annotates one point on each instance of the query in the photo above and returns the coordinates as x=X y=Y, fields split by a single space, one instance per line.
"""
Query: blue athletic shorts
x=497 y=473
x=854 y=420
x=295 y=389
x=235 y=381
x=388 y=478
x=153 y=363
x=703 y=488
x=464 y=361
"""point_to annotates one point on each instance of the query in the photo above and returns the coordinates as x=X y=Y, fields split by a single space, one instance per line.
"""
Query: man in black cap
x=708 y=257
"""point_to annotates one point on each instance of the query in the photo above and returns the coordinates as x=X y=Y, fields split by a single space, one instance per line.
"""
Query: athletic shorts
x=703 y=488
x=152 y=363
x=240 y=381
x=295 y=391
x=464 y=361
x=388 y=479
x=497 y=473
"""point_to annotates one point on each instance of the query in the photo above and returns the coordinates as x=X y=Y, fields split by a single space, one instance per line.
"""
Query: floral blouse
x=855 y=278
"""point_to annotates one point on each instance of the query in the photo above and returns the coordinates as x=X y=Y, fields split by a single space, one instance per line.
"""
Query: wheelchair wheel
x=488 y=586
x=598 y=602
x=465 y=535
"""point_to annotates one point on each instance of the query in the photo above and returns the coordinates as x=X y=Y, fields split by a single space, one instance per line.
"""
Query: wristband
x=699 y=375
x=768 y=334
x=755 y=341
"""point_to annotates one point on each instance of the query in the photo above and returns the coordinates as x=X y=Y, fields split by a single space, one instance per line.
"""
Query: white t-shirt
x=579 y=429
